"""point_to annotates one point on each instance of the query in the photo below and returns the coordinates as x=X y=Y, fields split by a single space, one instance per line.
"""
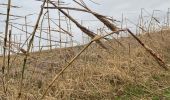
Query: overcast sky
x=108 y=7
x=130 y=9
x=115 y=8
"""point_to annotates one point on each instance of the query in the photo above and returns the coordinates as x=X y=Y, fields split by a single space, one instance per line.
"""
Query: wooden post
x=26 y=29
x=6 y=34
x=49 y=26
x=59 y=23
x=28 y=50
x=10 y=32
x=168 y=18
x=5 y=44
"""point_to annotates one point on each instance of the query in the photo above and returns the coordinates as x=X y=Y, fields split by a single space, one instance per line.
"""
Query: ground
x=123 y=72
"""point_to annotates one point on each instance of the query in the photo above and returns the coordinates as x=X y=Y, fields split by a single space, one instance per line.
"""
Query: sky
x=115 y=8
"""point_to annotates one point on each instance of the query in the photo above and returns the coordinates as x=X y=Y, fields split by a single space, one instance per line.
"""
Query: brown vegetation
x=132 y=67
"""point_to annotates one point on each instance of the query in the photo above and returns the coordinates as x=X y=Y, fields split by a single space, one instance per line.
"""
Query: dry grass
x=97 y=74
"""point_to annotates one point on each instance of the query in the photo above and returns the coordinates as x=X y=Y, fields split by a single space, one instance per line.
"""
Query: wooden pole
x=6 y=34
x=28 y=49
x=153 y=54
x=9 y=51
x=168 y=17
x=96 y=38
x=49 y=26
x=5 y=44
x=26 y=29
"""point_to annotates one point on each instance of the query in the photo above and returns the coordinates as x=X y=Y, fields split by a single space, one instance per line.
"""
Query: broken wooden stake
x=154 y=54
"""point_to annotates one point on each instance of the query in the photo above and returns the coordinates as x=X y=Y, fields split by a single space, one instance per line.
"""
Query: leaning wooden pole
x=110 y=25
x=103 y=19
x=64 y=68
x=96 y=38
x=82 y=28
x=6 y=34
x=100 y=17
x=5 y=44
x=153 y=53
x=28 y=49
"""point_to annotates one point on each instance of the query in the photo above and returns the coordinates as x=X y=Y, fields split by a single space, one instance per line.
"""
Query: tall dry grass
x=96 y=74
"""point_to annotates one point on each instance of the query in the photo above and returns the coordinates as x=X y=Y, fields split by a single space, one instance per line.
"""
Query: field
x=127 y=72
x=65 y=59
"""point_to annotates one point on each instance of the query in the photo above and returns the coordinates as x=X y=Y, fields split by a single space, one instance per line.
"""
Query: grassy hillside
x=123 y=72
